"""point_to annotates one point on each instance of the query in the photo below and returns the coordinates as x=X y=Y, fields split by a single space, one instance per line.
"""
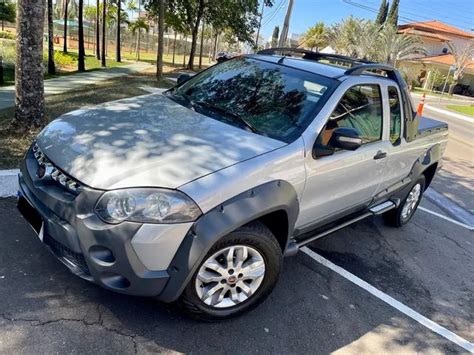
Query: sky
x=458 y=13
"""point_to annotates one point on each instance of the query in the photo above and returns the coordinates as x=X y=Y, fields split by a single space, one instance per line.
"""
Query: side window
x=395 y=114
x=359 y=108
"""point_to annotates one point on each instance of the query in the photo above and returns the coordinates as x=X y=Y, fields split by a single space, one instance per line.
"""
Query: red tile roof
x=446 y=59
x=436 y=27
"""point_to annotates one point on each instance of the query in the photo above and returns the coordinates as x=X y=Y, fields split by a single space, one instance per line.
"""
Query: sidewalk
x=74 y=81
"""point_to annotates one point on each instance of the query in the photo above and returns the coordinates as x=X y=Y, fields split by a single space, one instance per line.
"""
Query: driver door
x=340 y=183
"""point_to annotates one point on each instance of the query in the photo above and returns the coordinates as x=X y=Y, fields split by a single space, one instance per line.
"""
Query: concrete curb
x=450 y=113
x=8 y=182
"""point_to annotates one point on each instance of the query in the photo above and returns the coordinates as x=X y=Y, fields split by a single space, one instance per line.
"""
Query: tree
x=104 y=35
x=66 y=7
x=202 y=44
x=462 y=58
x=392 y=17
x=97 y=30
x=7 y=12
x=29 y=85
x=161 y=30
x=51 y=65
x=275 y=34
x=366 y=40
x=392 y=46
x=315 y=37
x=240 y=17
x=382 y=15
x=118 y=49
x=136 y=27
x=81 y=66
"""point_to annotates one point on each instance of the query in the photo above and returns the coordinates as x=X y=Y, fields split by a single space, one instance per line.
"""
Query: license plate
x=31 y=215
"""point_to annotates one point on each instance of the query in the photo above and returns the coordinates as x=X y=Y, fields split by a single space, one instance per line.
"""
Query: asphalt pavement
x=427 y=265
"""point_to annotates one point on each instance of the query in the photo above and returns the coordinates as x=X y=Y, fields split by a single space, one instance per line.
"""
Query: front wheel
x=401 y=215
x=237 y=274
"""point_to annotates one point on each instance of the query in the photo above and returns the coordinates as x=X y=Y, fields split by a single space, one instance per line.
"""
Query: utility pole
x=286 y=25
x=259 y=25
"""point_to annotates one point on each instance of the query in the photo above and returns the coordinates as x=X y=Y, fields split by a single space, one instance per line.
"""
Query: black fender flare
x=223 y=219
x=427 y=159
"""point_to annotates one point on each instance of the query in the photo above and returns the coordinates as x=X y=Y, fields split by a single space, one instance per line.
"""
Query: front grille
x=55 y=174
x=74 y=261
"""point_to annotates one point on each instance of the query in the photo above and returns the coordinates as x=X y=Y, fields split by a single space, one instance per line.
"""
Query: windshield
x=266 y=98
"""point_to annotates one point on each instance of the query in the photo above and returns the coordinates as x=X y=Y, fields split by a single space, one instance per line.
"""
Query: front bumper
x=91 y=249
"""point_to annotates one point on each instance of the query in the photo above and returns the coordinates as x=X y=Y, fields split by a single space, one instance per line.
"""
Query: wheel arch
x=275 y=204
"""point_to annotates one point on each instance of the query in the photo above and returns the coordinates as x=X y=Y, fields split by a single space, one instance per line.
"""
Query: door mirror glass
x=183 y=77
x=345 y=138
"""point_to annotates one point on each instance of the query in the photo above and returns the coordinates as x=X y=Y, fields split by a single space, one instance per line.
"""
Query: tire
x=401 y=215
x=262 y=247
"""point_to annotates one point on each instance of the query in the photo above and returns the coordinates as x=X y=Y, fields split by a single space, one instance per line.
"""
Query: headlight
x=146 y=206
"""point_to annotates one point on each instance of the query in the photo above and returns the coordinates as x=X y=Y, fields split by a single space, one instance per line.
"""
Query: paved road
x=71 y=82
x=427 y=265
x=456 y=179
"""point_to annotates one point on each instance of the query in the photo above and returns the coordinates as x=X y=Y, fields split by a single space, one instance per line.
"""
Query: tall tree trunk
x=174 y=46
x=138 y=44
x=81 y=66
x=29 y=85
x=97 y=30
x=215 y=46
x=51 y=65
x=185 y=48
x=104 y=20
x=194 y=35
x=161 y=29
x=168 y=43
x=202 y=45
x=66 y=6
x=118 y=49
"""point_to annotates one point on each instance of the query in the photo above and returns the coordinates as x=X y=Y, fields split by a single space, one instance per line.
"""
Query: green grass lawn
x=14 y=144
x=66 y=64
x=466 y=110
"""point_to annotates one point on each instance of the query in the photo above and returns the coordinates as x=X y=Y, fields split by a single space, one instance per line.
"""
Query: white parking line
x=435 y=327
x=446 y=218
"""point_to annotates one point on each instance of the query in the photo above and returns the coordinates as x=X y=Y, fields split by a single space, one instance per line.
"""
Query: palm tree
x=136 y=27
x=51 y=65
x=104 y=21
x=393 y=46
x=314 y=37
x=81 y=58
x=66 y=8
x=367 y=40
x=462 y=58
x=29 y=86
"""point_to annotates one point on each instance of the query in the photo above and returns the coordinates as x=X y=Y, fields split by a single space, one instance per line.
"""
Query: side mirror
x=345 y=138
x=183 y=77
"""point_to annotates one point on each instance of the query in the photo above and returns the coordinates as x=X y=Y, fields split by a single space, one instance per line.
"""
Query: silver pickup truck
x=195 y=195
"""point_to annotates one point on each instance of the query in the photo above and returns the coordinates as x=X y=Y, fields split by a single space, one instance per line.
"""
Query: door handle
x=380 y=155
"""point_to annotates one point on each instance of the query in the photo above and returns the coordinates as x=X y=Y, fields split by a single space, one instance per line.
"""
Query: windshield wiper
x=227 y=113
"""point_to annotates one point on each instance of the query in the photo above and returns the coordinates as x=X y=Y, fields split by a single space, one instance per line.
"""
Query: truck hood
x=145 y=141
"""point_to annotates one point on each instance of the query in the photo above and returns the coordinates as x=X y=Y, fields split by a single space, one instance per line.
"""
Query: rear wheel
x=401 y=215
x=237 y=274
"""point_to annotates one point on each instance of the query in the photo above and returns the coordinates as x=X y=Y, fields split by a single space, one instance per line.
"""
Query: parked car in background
x=197 y=194
x=222 y=57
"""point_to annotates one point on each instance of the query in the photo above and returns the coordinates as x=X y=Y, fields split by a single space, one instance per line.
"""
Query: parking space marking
x=446 y=218
x=428 y=323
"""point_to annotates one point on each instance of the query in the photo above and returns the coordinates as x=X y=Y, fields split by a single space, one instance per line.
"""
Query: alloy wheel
x=230 y=276
x=411 y=201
